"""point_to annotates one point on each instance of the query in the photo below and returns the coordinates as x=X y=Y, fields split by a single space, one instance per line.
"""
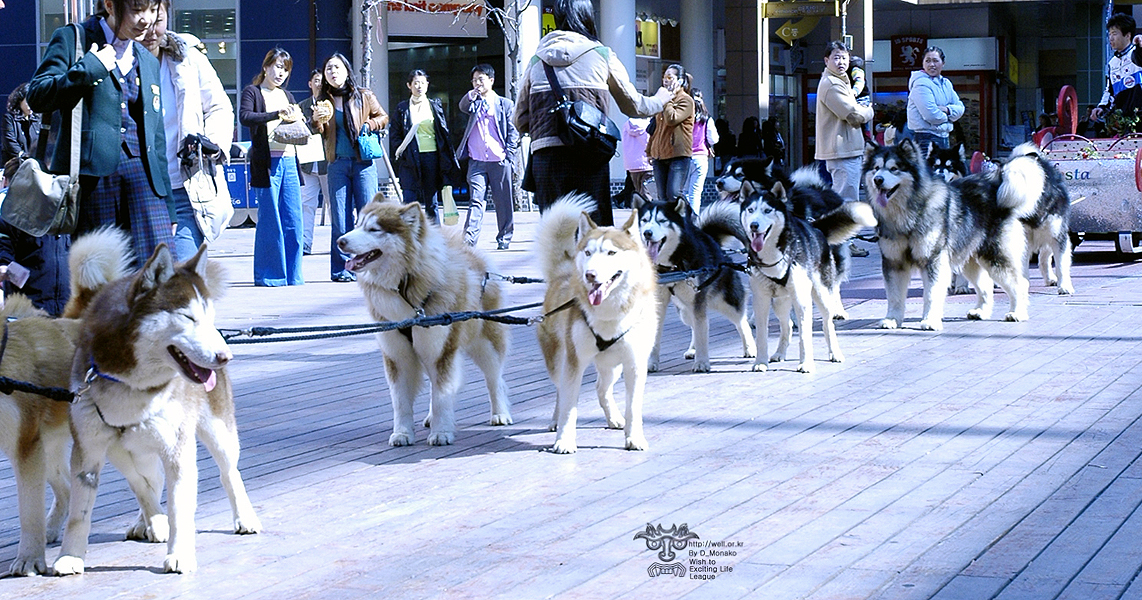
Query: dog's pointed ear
x=585 y=226
x=412 y=214
x=197 y=263
x=962 y=152
x=908 y=149
x=637 y=200
x=682 y=207
x=158 y=270
x=631 y=226
x=767 y=165
x=381 y=198
x=747 y=189
x=870 y=148
x=778 y=191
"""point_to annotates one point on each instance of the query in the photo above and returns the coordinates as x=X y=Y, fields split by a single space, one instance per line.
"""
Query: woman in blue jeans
x=352 y=181
x=265 y=104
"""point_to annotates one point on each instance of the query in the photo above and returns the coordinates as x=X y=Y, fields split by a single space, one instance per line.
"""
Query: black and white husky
x=675 y=242
x=807 y=193
x=931 y=225
x=1048 y=226
x=794 y=263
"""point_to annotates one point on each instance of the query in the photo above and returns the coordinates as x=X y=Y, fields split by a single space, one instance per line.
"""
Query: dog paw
x=68 y=565
x=777 y=357
x=1066 y=290
x=400 y=439
x=501 y=419
x=247 y=524
x=702 y=366
x=837 y=357
x=1015 y=317
x=553 y=426
x=749 y=353
x=27 y=566
x=932 y=325
x=1051 y=281
x=690 y=354
x=636 y=442
x=564 y=447
x=889 y=324
x=155 y=532
x=759 y=367
x=805 y=367
x=444 y=438
x=616 y=423
x=975 y=314
x=652 y=365
x=428 y=421
x=180 y=562
x=841 y=315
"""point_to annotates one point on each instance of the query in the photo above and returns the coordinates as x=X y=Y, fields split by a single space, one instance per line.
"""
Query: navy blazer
x=505 y=108
x=60 y=82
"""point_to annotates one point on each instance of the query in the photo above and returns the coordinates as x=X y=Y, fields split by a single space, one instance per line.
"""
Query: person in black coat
x=21 y=126
x=423 y=169
x=45 y=258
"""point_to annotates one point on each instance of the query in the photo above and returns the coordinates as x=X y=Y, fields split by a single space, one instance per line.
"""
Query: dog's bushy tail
x=18 y=306
x=96 y=259
x=556 y=234
x=842 y=224
x=808 y=177
x=722 y=221
x=1023 y=180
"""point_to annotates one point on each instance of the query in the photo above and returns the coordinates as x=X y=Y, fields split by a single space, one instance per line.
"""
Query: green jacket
x=60 y=82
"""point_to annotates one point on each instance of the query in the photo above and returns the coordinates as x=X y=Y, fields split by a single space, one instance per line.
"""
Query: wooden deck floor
x=992 y=460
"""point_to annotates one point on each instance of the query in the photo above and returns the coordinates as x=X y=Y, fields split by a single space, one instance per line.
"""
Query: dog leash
x=9 y=385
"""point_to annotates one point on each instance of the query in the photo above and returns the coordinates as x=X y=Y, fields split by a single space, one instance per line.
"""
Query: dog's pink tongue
x=652 y=248
x=210 y=382
x=595 y=296
x=757 y=243
x=352 y=264
x=882 y=198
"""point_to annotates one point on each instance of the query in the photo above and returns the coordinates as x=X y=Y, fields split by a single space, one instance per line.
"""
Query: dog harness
x=602 y=344
x=784 y=279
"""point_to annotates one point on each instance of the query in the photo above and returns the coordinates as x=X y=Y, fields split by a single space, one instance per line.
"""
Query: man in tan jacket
x=840 y=142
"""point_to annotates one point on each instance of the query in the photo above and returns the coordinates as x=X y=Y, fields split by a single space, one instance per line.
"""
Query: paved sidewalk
x=991 y=460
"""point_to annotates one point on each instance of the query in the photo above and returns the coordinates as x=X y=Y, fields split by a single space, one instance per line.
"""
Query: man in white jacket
x=840 y=142
x=194 y=103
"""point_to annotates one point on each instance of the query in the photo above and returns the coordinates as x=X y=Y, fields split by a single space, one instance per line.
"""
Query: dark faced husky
x=675 y=243
x=947 y=163
x=931 y=225
x=807 y=193
x=601 y=287
x=405 y=268
x=795 y=263
x=148 y=374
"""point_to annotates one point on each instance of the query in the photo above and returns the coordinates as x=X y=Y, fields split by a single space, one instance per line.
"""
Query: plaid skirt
x=125 y=199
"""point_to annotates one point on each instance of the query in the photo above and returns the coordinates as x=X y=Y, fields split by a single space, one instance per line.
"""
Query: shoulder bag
x=369 y=144
x=582 y=126
x=38 y=202
x=204 y=179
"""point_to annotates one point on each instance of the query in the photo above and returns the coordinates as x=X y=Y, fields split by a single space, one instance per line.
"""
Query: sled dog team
x=149 y=365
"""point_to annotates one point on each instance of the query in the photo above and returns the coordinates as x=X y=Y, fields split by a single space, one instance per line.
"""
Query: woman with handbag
x=265 y=106
x=588 y=71
x=123 y=168
x=195 y=103
x=705 y=137
x=343 y=112
x=671 y=145
x=422 y=147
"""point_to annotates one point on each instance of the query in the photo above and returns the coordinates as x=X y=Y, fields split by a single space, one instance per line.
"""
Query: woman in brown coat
x=671 y=143
x=339 y=114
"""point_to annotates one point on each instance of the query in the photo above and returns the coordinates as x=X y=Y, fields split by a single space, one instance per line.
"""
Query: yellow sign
x=547 y=24
x=646 y=39
x=792 y=30
x=783 y=10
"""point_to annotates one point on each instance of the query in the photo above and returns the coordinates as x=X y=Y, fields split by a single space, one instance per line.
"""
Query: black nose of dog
x=341 y=244
x=753 y=227
x=878 y=180
x=589 y=276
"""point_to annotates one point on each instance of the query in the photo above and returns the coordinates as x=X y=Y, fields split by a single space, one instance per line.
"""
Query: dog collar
x=94 y=372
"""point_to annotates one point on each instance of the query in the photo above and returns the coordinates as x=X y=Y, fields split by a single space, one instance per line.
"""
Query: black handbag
x=582 y=126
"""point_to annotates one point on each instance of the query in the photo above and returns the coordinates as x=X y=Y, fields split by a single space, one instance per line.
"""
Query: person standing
x=671 y=144
x=422 y=146
x=124 y=179
x=314 y=176
x=840 y=141
x=705 y=136
x=352 y=180
x=21 y=127
x=587 y=71
x=265 y=105
x=933 y=104
x=194 y=103
x=491 y=144
x=1123 y=70
x=772 y=144
x=635 y=160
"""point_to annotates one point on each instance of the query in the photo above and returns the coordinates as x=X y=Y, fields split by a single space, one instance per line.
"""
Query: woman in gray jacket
x=587 y=71
x=933 y=104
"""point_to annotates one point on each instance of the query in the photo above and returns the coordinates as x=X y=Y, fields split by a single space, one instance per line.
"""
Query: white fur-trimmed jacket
x=201 y=101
